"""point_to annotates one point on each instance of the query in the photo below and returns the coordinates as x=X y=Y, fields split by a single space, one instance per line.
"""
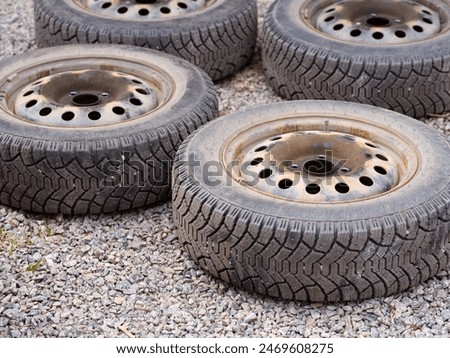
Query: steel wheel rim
x=343 y=161
x=67 y=93
x=384 y=22
x=144 y=10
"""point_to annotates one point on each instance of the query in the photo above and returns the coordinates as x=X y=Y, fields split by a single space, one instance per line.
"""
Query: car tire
x=388 y=54
x=89 y=129
x=219 y=37
x=317 y=201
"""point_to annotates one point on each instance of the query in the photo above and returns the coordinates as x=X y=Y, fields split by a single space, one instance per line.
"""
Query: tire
x=219 y=38
x=94 y=128
x=277 y=238
x=303 y=59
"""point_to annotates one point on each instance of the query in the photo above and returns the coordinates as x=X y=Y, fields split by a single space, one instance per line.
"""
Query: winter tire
x=217 y=35
x=392 y=54
x=94 y=128
x=316 y=201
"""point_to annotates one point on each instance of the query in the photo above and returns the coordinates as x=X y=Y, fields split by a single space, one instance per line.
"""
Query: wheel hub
x=300 y=160
x=377 y=22
x=144 y=9
x=85 y=98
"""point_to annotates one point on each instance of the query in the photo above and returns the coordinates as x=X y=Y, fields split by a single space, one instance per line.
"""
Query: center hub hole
x=85 y=100
x=319 y=167
x=378 y=21
x=146 y=1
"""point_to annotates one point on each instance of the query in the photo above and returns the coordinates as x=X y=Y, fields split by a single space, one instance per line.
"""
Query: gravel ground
x=126 y=275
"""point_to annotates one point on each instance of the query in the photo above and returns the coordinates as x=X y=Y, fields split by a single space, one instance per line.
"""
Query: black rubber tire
x=220 y=40
x=314 y=252
x=53 y=169
x=301 y=63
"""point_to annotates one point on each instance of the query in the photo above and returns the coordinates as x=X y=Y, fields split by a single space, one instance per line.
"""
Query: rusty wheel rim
x=88 y=93
x=144 y=10
x=322 y=160
x=386 y=22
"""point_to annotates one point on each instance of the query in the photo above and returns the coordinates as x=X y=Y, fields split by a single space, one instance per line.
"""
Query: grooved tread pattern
x=220 y=48
x=309 y=261
x=92 y=177
x=414 y=85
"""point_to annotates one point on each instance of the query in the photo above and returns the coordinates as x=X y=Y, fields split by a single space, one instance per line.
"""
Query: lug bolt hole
x=313 y=189
x=366 y=181
x=256 y=161
x=342 y=188
x=380 y=170
x=94 y=115
x=377 y=35
x=45 y=111
x=382 y=157
x=260 y=149
x=119 y=111
x=68 y=116
x=266 y=173
x=136 y=102
x=30 y=104
x=285 y=184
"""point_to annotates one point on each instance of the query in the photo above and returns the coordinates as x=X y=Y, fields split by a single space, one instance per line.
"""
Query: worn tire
x=311 y=251
x=220 y=38
x=52 y=168
x=303 y=63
